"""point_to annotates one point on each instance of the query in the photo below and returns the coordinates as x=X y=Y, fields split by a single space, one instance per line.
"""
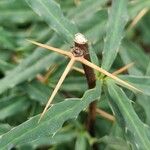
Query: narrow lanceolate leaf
x=29 y=73
x=60 y=137
x=148 y=69
x=4 y=128
x=137 y=6
x=50 y=11
x=86 y=7
x=144 y=100
x=37 y=91
x=136 y=131
x=53 y=120
x=14 y=106
x=81 y=142
x=141 y=82
x=116 y=143
x=117 y=20
x=131 y=52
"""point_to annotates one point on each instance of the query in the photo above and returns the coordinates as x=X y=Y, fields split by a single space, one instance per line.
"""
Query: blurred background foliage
x=28 y=73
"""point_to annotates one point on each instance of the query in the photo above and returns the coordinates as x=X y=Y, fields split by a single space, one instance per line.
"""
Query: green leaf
x=4 y=128
x=13 y=106
x=93 y=27
x=50 y=11
x=29 y=73
x=137 y=6
x=28 y=65
x=141 y=82
x=53 y=120
x=131 y=52
x=37 y=91
x=148 y=69
x=81 y=142
x=4 y=66
x=86 y=7
x=6 y=39
x=75 y=83
x=117 y=20
x=59 y=138
x=136 y=131
x=115 y=143
x=16 y=12
x=144 y=100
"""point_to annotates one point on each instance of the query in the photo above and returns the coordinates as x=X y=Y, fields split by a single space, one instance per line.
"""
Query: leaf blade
x=53 y=120
x=117 y=20
x=51 y=13
x=135 y=129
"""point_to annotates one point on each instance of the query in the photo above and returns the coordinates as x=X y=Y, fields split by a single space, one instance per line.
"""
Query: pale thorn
x=66 y=71
x=49 y=72
x=101 y=70
x=78 y=69
x=123 y=69
x=137 y=18
x=69 y=54
x=114 y=73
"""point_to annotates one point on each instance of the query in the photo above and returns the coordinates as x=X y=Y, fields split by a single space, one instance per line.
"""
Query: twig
x=81 y=48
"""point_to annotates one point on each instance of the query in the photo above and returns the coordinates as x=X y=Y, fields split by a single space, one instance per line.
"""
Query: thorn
x=123 y=69
x=101 y=70
x=138 y=17
x=105 y=114
x=70 y=64
x=49 y=72
x=69 y=54
x=44 y=78
x=78 y=69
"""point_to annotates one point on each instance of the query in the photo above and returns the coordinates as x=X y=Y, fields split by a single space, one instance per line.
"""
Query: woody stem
x=91 y=80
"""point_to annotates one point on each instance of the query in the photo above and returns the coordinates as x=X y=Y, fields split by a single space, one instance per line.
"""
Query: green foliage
x=54 y=18
x=53 y=120
x=116 y=23
x=25 y=88
x=128 y=119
